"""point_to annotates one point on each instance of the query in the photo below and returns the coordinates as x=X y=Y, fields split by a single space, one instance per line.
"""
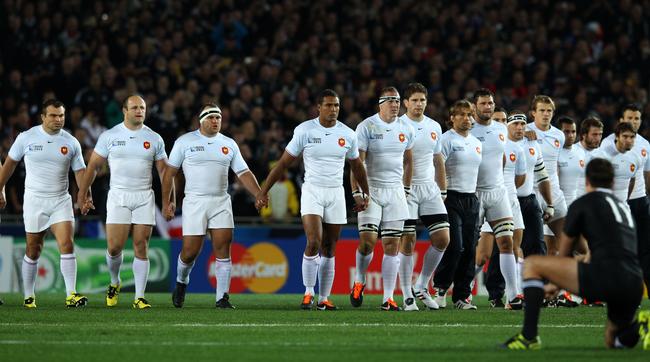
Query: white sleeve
x=78 y=157
x=353 y=152
x=445 y=148
x=438 y=133
x=520 y=165
x=160 y=149
x=411 y=136
x=362 y=137
x=237 y=163
x=17 y=150
x=297 y=143
x=177 y=155
x=101 y=148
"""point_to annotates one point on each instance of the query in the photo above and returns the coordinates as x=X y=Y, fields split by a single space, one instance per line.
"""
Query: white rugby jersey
x=625 y=165
x=427 y=143
x=534 y=158
x=551 y=142
x=385 y=144
x=462 y=159
x=130 y=156
x=571 y=168
x=515 y=166
x=581 y=178
x=324 y=151
x=48 y=159
x=640 y=149
x=205 y=162
x=493 y=137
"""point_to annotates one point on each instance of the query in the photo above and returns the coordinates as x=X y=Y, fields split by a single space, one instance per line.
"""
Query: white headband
x=383 y=99
x=517 y=118
x=207 y=112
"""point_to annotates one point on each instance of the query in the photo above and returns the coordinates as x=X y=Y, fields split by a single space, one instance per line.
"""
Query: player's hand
x=3 y=200
x=583 y=258
x=86 y=206
x=261 y=201
x=169 y=210
x=549 y=211
x=443 y=194
x=531 y=135
x=551 y=291
x=407 y=191
x=361 y=201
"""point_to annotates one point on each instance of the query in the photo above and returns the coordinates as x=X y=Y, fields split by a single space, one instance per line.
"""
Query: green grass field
x=272 y=327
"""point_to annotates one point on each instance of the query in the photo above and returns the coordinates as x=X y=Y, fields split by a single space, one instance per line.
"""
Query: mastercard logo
x=513 y=158
x=531 y=151
x=434 y=136
x=402 y=138
x=582 y=163
x=501 y=137
x=225 y=150
x=557 y=143
x=478 y=150
x=341 y=141
x=64 y=150
x=146 y=145
x=632 y=168
x=260 y=268
x=644 y=153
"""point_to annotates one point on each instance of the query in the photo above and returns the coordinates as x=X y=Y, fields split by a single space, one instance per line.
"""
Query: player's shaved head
x=600 y=173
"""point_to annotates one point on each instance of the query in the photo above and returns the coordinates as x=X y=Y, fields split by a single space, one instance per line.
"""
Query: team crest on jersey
x=402 y=138
x=434 y=136
x=644 y=153
x=531 y=151
x=64 y=150
x=582 y=163
x=478 y=150
x=501 y=137
x=146 y=145
x=225 y=150
x=342 y=142
x=513 y=158
x=632 y=167
x=557 y=143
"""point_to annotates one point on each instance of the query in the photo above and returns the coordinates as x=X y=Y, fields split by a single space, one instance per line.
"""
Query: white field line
x=289 y=325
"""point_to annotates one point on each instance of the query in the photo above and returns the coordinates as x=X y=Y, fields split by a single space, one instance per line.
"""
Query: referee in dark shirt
x=609 y=268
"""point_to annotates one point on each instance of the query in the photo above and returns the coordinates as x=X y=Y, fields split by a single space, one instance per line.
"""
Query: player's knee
x=436 y=224
x=409 y=227
x=504 y=230
x=369 y=228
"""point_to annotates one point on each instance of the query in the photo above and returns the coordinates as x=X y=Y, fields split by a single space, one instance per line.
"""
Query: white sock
x=520 y=275
x=223 y=269
x=431 y=260
x=362 y=267
x=183 y=271
x=69 y=271
x=140 y=274
x=509 y=272
x=406 y=274
x=477 y=269
x=114 y=263
x=325 y=278
x=310 y=272
x=389 y=268
x=29 y=269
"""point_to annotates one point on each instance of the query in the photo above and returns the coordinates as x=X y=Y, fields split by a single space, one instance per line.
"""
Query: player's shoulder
x=305 y=126
x=342 y=127
x=367 y=122
x=554 y=131
x=226 y=140
x=578 y=150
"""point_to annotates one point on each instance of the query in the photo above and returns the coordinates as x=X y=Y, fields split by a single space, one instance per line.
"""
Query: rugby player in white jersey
x=385 y=145
x=571 y=162
x=551 y=141
x=626 y=163
x=131 y=149
x=591 y=133
x=638 y=200
x=49 y=153
x=491 y=191
x=325 y=143
x=514 y=175
x=462 y=154
x=426 y=200
x=206 y=156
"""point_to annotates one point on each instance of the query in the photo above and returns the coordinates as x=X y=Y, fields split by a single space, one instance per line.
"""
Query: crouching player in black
x=609 y=269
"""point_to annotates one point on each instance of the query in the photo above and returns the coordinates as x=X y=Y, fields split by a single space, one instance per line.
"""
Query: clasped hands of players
x=169 y=210
x=261 y=201
x=3 y=200
x=360 y=201
x=85 y=203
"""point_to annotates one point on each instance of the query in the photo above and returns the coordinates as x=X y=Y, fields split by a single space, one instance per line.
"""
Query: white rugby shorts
x=326 y=202
x=39 y=213
x=201 y=213
x=494 y=205
x=131 y=207
x=386 y=204
x=425 y=200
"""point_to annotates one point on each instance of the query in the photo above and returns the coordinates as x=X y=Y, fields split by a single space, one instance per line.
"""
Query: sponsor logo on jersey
x=35 y=147
x=64 y=150
x=632 y=167
x=644 y=153
x=118 y=143
x=557 y=143
x=260 y=268
x=402 y=138
x=342 y=142
x=513 y=158
x=434 y=136
x=197 y=149
x=314 y=140
x=531 y=151
x=225 y=150
x=478 y=150
x=376 y=136
x=502 y=137
x=146 y=145
x=582 y=163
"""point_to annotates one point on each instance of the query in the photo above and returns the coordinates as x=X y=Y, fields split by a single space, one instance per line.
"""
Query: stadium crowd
x=264 y=62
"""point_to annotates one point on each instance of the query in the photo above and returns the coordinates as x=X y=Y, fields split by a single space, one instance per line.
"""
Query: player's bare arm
x=167 y=191
x=248 y=179
x=5 y=173
x=441 y=173
x=162 y=168
x=278 y=170
x=358 y=173
x=84 y=199
x=360 y=199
